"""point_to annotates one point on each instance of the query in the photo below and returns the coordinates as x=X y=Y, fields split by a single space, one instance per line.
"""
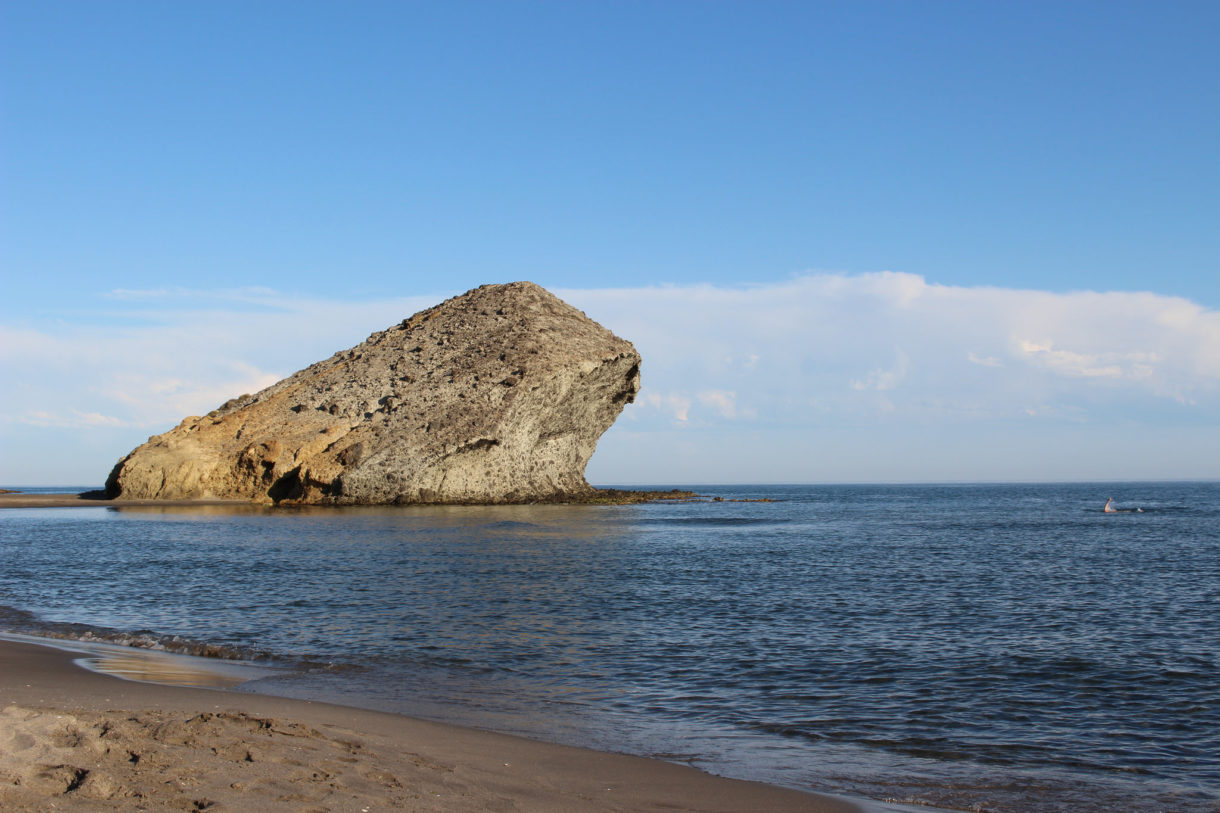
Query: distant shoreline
x=98 y=499
x=86 y=499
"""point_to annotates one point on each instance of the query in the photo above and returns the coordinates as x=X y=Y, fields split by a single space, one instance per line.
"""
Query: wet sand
x=76 y=739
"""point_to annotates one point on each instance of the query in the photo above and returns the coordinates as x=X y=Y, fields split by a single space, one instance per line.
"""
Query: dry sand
x=72 y=739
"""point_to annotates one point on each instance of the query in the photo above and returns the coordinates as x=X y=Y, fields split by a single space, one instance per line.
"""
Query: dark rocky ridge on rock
x=498 y=395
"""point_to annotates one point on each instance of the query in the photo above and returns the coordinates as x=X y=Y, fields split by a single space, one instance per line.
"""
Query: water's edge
x=141 y=664
x=968 y=647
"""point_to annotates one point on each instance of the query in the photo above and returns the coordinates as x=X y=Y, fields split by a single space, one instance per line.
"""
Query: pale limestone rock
x=498 y=395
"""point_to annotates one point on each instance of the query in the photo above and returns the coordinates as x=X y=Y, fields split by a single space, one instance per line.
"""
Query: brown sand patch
x=71 y=739
x=209 y=761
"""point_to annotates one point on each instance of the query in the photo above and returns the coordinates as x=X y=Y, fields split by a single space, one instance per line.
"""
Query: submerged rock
x=495 y=396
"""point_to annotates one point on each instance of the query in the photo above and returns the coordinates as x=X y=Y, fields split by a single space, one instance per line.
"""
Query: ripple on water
x=998 y=647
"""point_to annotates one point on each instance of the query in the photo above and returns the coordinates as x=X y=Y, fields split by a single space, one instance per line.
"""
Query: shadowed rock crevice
x=498 y=395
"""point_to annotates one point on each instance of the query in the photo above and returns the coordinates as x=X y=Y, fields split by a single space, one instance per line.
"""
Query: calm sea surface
x=998 y=647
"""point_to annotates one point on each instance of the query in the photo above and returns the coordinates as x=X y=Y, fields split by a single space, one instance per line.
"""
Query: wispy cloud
x=1130 y=365
x=823 y=373
x=674 y=405
x=840 y=340
x=68 y=419
x=984 y=361
x=885 y=379
x=724 y=402
x=250 y=294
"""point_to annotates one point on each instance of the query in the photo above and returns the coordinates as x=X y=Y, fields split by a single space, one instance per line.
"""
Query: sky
x=853 y=241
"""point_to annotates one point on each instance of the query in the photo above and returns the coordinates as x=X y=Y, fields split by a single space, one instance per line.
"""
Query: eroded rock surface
x=498 y=395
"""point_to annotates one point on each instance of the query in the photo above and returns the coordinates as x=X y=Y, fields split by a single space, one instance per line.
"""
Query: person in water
x=1110 y=509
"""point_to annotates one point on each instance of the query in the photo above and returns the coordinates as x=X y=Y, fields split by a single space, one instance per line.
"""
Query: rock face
x=498 y=395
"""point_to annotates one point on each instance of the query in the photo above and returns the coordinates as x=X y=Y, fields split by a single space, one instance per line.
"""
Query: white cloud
x=152 y=367
x=723 y=402
x=1133 y=365
x=677 y=406
x=884 y=379
x=933 y=350
x=984 y=361
x=257 y=294
x=887 y=362
x=71 y=419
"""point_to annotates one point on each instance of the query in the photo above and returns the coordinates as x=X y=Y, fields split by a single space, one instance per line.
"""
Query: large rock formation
x=498 y=395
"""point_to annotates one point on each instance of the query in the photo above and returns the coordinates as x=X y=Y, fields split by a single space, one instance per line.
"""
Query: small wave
x=312 y=667
x=510 y=525
x=1148 y=509
x=718 y=521
x=24 y=622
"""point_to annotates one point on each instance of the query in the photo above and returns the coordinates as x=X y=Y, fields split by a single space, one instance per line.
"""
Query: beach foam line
x=151 y=666
x=75 y=739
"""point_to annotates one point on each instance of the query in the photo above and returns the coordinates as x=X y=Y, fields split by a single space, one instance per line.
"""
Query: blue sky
x=197 y=197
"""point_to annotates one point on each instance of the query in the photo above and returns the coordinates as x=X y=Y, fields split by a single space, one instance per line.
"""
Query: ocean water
x=992 y=647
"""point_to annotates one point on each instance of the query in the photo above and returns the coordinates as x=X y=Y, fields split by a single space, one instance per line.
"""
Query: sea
x=998 y=647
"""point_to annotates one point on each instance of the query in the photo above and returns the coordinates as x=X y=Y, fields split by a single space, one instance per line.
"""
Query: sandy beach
x=74 y=739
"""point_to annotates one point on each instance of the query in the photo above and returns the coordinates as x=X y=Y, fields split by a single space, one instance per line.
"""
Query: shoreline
x=18 y=499
x=78 y=737
x=96 y=499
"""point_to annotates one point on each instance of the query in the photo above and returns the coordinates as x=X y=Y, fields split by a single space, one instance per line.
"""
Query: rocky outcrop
x=495 y=396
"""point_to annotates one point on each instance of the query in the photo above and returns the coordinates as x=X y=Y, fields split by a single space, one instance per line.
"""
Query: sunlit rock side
x=498 y=395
